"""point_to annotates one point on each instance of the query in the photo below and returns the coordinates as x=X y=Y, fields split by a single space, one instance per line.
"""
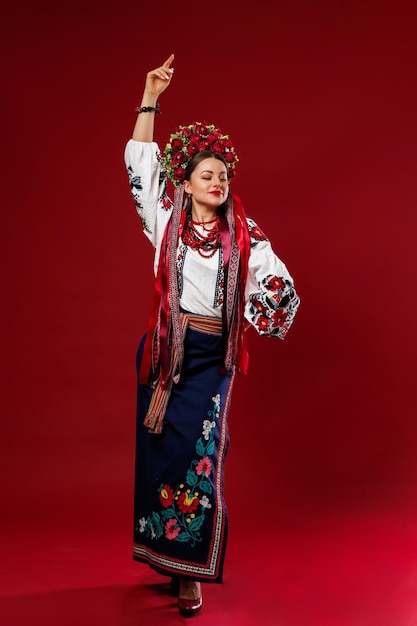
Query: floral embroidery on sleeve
x=164 y=200
x=136 y=186
x=184 y=508
x=256 y=234
x=272 y=309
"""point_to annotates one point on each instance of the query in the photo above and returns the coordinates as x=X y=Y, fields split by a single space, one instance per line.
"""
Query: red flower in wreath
x=217 y=147
x=179 y=173
x=195 y=139
x=211 y=137
x=279 y=316
x=166 y=496
x=201 y=129
x=193 y=148
x=177 y=143
x=179 y=157
x=187 y=503
x=171 y=529
x=204 y=144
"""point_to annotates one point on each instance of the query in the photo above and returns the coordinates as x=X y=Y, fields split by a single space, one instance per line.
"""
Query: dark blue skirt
x=180 y=515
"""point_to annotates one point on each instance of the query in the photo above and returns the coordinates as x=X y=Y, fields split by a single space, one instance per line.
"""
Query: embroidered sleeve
x=148 y=184
x=271 y=300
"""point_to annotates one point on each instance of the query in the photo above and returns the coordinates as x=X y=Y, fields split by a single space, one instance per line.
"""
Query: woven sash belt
x=154 y=419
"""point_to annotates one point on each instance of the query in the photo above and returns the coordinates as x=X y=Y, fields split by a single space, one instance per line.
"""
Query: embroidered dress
x=180 y=516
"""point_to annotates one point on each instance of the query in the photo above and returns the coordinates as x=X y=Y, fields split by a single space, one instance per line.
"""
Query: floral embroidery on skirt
x=180 y=524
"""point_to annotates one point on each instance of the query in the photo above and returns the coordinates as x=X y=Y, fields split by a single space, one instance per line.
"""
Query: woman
x=216 y=273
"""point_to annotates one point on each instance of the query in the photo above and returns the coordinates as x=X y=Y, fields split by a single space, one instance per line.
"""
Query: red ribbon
x=149 y=359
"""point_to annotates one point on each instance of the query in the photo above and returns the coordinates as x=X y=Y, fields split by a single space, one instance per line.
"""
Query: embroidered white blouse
x=271 y=300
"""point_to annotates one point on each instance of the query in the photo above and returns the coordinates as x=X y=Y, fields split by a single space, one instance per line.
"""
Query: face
x=208 y=184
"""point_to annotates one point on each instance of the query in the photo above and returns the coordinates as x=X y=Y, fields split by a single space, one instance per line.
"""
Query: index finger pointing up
x=168 y=61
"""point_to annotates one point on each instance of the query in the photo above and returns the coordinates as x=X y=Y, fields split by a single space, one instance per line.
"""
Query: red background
x=319 y=100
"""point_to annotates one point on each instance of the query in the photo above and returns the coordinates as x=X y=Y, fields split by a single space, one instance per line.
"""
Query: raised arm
x=157 y=81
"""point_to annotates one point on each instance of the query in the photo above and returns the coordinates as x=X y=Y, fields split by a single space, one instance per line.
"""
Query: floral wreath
x=188 y=140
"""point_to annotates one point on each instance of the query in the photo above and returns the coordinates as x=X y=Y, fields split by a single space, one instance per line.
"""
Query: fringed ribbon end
x=154 y=419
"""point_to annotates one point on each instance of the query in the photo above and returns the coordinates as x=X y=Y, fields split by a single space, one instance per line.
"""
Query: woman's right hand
x=157 y=80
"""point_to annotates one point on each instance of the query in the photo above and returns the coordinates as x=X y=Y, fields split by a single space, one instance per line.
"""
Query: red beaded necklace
x=205 y=244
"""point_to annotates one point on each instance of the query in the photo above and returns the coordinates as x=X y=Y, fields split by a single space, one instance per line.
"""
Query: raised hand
x=157 y=80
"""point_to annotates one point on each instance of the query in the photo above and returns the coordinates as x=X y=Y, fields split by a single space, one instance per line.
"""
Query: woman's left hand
x=157 y=80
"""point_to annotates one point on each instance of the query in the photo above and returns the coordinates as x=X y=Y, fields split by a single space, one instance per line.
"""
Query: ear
x=187 y=186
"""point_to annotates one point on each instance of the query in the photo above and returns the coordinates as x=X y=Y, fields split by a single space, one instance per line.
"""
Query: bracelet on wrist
x=148 y=109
